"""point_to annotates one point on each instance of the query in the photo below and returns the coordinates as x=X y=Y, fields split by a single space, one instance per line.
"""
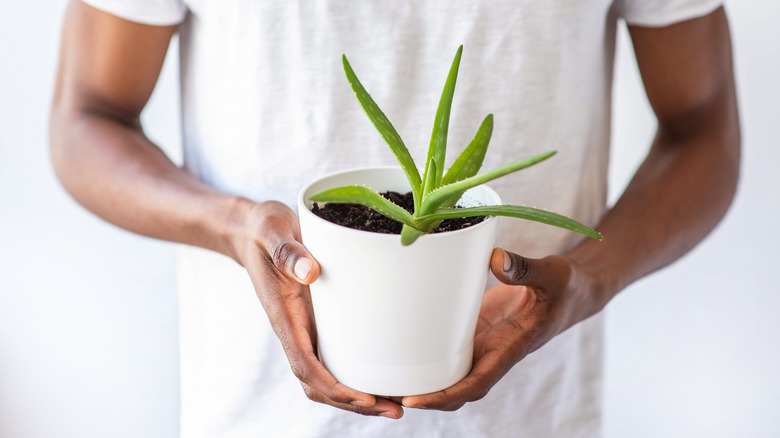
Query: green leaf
x=409 y=235
x=364 y=196
x=529 y=213
x=387 y=130
x=470 y=160
x=438 y=197
x=438 y=147
x=429 y=182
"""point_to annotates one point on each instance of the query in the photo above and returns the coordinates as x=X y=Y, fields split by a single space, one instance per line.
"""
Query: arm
x=107 y=71
x=680 y=192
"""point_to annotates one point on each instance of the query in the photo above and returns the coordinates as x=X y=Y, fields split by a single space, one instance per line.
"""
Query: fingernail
x=302 y=268
x=388 y=414
x=359 y=403
x=507 y=261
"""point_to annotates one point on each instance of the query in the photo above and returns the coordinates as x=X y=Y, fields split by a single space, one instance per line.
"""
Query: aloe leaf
x=522 y=212
x=409 y=235
x=387 y=131
x=438 y=197
x=470 y=160
x=438 y=147
x=429 y=182
x=367 y=197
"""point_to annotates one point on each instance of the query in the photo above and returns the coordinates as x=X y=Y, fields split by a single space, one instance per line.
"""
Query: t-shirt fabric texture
x=266 y=108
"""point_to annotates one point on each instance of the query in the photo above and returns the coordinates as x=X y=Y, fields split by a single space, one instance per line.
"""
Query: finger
x=510 y=268
x=292 y=258
x=485 y=373
x=383 y=407
x=289 y=313
x=514 y=269
x=279 y=239
x=388 y=409
x=319 y=380
x=395 y=399
x=292 y=328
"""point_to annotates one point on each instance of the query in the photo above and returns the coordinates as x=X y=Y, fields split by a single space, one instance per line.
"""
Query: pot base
x=393 y=380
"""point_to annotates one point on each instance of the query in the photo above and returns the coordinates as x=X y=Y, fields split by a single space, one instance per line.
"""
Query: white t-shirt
x=266 y=108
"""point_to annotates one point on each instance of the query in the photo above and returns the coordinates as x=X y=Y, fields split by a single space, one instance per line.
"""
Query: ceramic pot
x=396 y=320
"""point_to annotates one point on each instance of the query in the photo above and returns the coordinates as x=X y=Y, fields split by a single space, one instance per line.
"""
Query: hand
x=539 y=299
x=281 y=269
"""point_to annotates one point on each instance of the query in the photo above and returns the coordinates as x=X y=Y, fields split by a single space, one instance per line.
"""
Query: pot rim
x=303 y=209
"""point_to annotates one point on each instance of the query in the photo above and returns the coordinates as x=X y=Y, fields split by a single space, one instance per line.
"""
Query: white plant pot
x=396 y=320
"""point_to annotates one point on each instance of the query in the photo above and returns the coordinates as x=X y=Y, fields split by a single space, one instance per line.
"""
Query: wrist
x=595 y=285
x=234 y=228
x=249 y=224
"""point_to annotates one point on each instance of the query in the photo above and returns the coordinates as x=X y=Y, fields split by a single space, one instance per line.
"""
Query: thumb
x=293 y=259
x=511 y=268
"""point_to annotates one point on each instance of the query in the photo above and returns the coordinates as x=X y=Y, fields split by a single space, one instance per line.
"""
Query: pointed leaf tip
x=386 y=130
x=437 y=149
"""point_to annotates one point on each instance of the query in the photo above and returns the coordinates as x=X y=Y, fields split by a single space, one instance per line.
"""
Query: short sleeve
x=657 y=13
x=151 y=12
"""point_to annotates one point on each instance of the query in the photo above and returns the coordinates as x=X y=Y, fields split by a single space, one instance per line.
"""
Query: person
x=266 y=108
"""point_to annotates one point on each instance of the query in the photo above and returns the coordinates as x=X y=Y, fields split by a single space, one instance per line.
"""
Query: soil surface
x=363 y=218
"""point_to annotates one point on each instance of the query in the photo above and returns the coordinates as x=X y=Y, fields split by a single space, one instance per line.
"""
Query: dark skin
x=678 y=195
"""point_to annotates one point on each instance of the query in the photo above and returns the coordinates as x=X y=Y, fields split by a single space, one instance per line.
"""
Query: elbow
x=725 y=155
x=66 y=148
x=722 y=142
x=729 y=141
x=59 y=127
x=67 y=153
x=705 y=146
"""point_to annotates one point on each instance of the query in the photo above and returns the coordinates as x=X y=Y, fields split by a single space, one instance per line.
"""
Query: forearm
x=678 y=195
x=111 y=168
x=689 y=178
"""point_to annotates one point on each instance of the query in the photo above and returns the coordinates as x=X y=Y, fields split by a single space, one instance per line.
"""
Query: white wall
x=88 y=311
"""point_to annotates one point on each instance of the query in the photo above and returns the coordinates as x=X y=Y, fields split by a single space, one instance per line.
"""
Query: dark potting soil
x=363 y=218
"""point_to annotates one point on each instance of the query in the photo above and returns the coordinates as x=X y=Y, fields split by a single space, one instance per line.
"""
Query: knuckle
x=299 y=371
x=310 y=394
x=276 y=215
x=267 y=224
x=283 y=254
x=479 y=395
x=453 y=407
x=361 y=410
x=315 y=396
x=274 y=205
x=337 y=393
x=520 y=270
x=440 y=400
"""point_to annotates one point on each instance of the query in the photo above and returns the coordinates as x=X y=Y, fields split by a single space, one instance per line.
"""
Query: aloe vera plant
x=436 y=193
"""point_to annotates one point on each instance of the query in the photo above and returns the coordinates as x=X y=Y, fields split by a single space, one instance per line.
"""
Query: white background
x=88 y=312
